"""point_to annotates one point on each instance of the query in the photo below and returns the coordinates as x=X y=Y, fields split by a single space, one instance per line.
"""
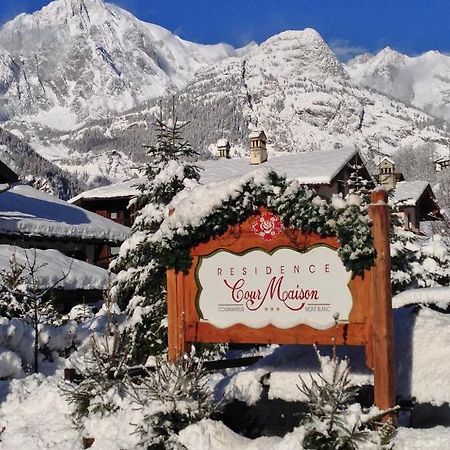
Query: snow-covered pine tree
x=171 y=397
x=12 y=303
x=418 y=261
x=140 y=287
x=335 y=421
x=357 y=183
x=22 y=296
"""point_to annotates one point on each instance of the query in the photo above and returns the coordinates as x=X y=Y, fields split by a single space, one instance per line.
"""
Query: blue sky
x=349 y=26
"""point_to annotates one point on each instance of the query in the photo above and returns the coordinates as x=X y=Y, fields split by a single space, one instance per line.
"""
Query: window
x=114 y=215
x=114 y=251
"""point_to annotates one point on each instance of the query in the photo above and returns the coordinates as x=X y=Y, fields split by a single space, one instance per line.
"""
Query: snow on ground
x=437 y=438
x=36 y=415
x=209 y=435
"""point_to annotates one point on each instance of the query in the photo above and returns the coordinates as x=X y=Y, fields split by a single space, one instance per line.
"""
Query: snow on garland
x=208 y=211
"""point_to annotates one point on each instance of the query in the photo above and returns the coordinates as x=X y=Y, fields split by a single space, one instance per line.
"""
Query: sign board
x=261 y=283
x=283 y=288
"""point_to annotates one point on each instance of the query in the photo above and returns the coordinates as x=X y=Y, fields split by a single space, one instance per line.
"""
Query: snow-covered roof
x=53 y=265
x=256 y=134
x=117 y=190
x=389 y=160
x=306 y=167
x=222 y=143
x=408 y=193
x=27 y=211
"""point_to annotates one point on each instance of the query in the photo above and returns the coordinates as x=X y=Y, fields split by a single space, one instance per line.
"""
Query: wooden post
x=175 y=316
x=381 y=306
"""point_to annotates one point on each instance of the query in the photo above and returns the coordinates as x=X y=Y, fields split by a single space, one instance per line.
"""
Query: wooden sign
x=262 y=283
x=284 y=288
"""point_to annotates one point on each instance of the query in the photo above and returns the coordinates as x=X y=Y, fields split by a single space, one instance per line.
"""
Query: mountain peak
x=305 y=52
x=87 y=59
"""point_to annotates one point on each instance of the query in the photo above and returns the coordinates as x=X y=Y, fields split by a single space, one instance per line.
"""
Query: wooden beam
x=381 y=306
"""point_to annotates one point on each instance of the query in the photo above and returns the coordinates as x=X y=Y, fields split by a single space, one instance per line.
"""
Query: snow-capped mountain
x=79 y=60
x=422 y=81
x=292 y=86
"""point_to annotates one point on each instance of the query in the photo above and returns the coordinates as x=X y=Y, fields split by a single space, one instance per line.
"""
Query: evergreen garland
x=297 y=206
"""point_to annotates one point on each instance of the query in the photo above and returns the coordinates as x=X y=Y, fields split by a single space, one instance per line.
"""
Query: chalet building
x=416 y=202
x=327 y=172
x=110 y=201
x=30 y=218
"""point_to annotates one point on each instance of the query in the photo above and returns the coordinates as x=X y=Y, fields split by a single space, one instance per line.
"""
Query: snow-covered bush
x=22 y=296
x=334 y=420
x=418 y=261
x=172 y=397
x=17 y=337
x=101 y=364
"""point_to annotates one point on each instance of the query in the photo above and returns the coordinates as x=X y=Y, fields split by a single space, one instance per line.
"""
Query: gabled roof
x=53 y=265
x=408 y=193
x=257 y=134
x=25 y=211
x=125 y=189
x=386 y=158
x=222 y=143
x=311 y=168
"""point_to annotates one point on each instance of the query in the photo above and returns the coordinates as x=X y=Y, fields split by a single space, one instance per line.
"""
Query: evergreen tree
x=357 y=183
x=335 y=421
x=140 y=288
x=22 y=296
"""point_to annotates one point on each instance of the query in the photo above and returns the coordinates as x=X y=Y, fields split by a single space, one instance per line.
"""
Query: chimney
x=387 y=177
x=223 y=148
x=258 y=152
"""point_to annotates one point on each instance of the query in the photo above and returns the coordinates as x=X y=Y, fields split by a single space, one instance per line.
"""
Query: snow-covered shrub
x=418 y=261
x=334 y=420
x=22 y=296
x=101 y=364
x=172 y=397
